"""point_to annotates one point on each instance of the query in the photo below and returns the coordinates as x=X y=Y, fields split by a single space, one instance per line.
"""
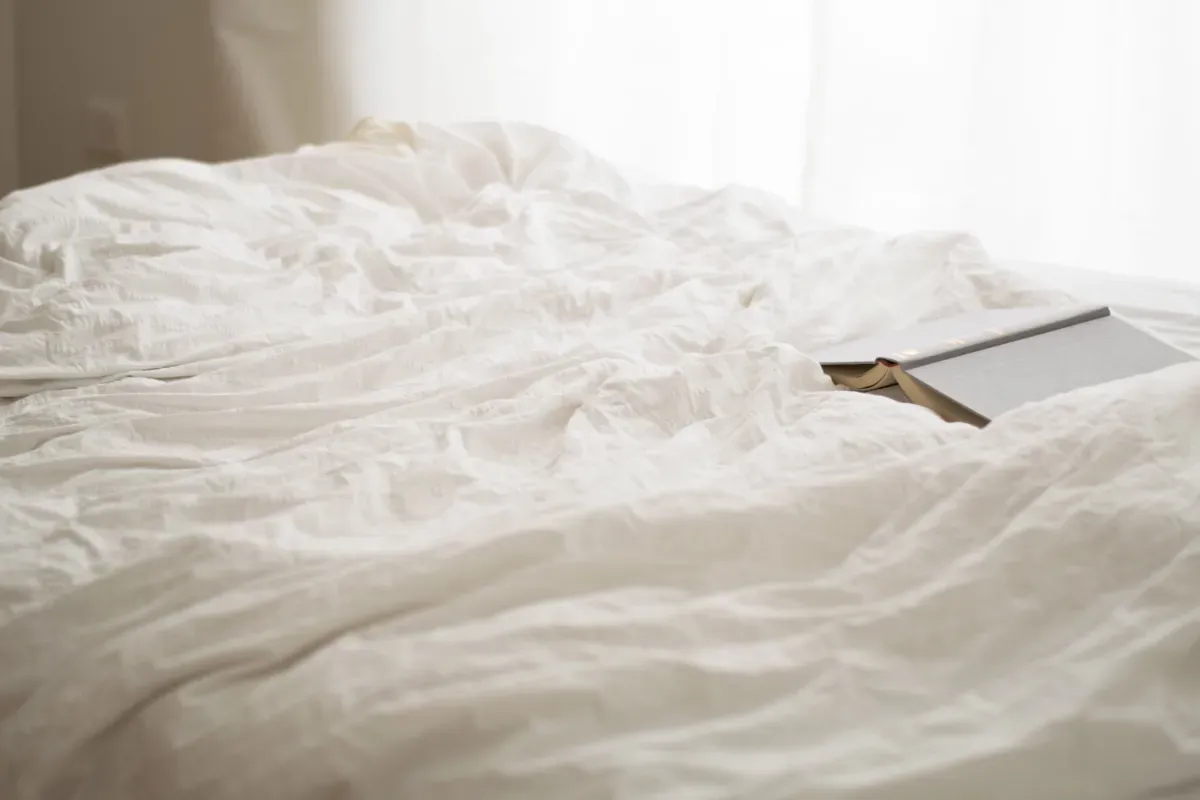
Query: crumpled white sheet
x=442 y=463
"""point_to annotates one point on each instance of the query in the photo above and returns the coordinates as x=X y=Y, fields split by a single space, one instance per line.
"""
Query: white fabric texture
x=483 y=473
x=1060 y=131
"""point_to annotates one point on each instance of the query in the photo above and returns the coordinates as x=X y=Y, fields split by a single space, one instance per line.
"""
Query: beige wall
x=8 y=99
x=202 y=79
x=278 y=84
x=154 y=58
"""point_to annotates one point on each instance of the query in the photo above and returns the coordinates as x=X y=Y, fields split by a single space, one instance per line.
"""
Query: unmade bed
x=443 y=462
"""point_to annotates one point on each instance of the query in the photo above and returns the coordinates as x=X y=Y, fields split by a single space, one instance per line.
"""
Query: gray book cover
x=946 y=338
x=990 y=361
x=992 y=380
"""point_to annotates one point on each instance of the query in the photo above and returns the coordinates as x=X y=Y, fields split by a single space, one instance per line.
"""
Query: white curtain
x=1065 y=131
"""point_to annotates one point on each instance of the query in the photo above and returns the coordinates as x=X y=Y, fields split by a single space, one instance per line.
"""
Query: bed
x=443 y=462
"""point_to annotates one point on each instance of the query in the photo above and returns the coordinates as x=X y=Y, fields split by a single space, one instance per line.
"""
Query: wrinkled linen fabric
x=442 y=462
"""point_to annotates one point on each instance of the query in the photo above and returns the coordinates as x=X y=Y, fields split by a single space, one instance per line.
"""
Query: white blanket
x=441 y=463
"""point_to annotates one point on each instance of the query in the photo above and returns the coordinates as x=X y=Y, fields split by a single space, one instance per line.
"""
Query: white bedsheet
x=482 y=474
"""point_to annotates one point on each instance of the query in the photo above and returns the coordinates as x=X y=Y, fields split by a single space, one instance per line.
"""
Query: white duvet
x=440 y=463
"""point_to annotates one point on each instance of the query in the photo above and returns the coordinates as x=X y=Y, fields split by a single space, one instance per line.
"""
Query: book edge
x=924 y=395
x=1051 y=324
x=1072 y=316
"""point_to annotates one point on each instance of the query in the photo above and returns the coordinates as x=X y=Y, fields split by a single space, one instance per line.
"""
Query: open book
x=975 y=366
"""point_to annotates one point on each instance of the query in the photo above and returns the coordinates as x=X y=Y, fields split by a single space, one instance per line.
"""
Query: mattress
x=443 y=462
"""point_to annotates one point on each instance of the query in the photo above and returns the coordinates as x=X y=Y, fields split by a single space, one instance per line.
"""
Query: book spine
x=995 y=337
